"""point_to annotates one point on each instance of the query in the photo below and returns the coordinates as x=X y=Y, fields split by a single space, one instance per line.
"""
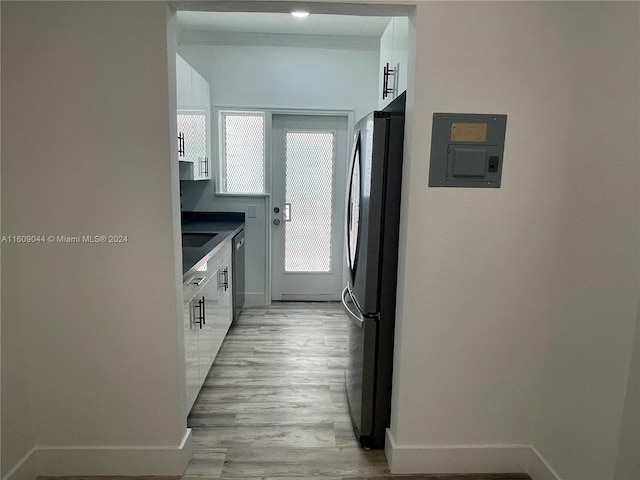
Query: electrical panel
x=467 y=150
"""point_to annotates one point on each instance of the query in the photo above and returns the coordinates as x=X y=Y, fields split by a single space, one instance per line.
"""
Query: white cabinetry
x=393 y=60
x=183 y=82
x=190 y=346
x=218 y=315
x=194 y=122
x=207 y=317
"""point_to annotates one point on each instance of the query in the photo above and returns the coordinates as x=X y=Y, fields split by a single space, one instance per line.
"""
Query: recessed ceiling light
x=300 y=13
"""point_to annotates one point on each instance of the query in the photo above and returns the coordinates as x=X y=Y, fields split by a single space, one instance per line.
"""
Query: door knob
x=276 y=221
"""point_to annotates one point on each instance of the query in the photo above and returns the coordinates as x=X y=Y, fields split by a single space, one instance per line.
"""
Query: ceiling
x=283 y=23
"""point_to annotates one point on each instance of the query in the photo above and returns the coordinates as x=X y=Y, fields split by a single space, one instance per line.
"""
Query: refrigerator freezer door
x=360 y=374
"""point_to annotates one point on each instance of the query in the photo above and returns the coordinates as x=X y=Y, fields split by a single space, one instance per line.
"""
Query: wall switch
x=252 y=211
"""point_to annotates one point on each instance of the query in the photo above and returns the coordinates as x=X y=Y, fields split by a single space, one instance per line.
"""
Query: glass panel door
x=309 y=176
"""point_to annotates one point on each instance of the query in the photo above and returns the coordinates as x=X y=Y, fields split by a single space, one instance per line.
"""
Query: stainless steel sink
x=196 y=239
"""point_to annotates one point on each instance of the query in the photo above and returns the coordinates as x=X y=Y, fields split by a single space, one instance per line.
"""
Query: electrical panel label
x=468 y=132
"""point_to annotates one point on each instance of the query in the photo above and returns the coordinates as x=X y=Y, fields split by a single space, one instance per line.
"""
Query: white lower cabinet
x=191 y=352
x=207 y=317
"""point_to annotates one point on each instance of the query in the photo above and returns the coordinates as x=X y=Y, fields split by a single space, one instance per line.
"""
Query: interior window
x=242 y=161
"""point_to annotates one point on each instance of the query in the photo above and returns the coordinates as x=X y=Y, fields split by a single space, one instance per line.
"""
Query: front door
x=307 y=208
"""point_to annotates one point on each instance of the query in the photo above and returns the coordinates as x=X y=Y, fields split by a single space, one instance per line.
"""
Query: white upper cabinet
x=194 y=122
x=183 y=82
x=393 y=60
x=192 y=88
x=199 y=89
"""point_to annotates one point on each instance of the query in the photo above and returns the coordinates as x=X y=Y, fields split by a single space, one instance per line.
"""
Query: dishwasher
x=237 y=279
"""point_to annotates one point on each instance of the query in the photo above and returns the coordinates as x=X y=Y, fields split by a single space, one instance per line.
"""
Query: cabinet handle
x=390 y=72
x=204 y=166
x=180 y=144
x=385 y=81
x=203 y=310
x=196 y=316
x=224 y=283
x=200 y=317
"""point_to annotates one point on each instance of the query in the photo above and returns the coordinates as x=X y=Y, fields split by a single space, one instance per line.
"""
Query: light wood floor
x=274 y=405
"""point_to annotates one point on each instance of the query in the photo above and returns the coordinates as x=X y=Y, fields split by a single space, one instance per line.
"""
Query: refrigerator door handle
x=357 y=319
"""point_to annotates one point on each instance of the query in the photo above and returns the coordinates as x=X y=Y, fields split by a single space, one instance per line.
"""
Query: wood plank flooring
x=274 y=404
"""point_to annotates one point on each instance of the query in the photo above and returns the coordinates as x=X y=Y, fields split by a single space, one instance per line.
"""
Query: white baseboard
x=261 y=300
x=24 y=469
x=539 y=468
x=255 y=300
x=105 y=461
x=423 y=459
x=319 y=297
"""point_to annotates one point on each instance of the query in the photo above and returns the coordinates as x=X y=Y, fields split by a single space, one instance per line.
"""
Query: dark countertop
x=224 y=224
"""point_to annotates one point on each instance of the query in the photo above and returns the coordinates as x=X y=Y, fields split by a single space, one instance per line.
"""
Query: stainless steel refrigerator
x=369 y=299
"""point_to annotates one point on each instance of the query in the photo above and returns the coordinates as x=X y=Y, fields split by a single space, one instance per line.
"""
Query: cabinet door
x=191 y=353
x=202 y=168
x=394 y=52
x=401 y=51
x=208 y=342
x=202 y=141
x=199 y=87
x=226 y=300
x=216 y=324
x=386 y=57
x=226 y=286
x=194 y=124
x=183 y=82
x=205 y=163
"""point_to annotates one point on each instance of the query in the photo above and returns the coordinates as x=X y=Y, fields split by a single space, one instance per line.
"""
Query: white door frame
x=349 y=115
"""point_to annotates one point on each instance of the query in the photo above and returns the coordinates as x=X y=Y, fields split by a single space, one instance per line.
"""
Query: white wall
x=516 y=306
x=476 y=263
x=628 y=459
x=591 y=333
x=86 y=150
x=493 y=284
x=301 y=78
x=16 y=433
x=288 y=77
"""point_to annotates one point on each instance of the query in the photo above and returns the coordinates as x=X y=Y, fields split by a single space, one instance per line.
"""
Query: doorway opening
x=276 y=394
x=308 y=172
x=333 y=61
